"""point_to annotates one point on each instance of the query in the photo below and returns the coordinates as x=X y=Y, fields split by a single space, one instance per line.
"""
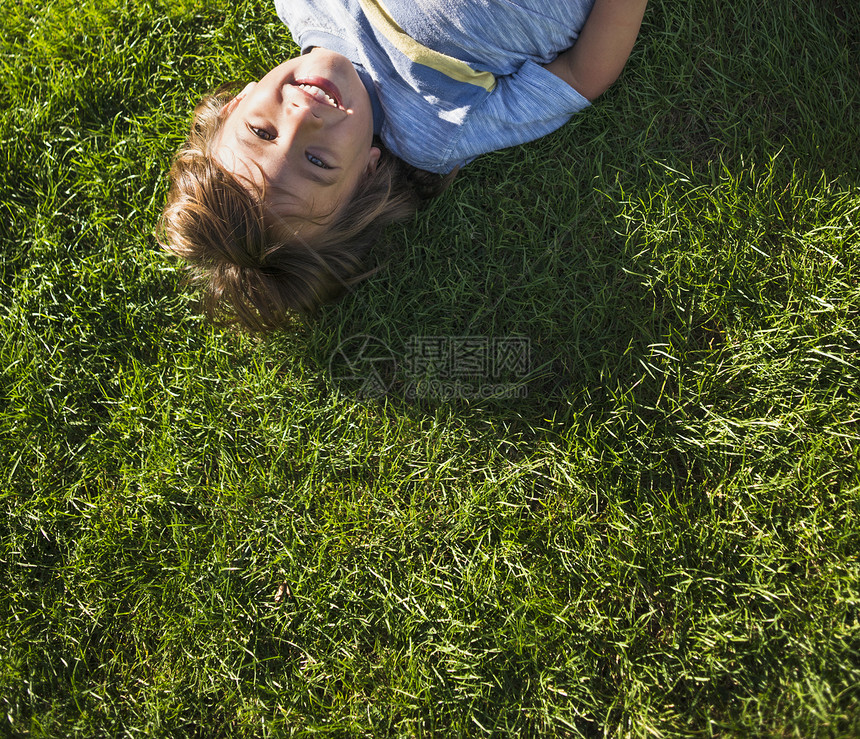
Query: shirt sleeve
x=523 y=106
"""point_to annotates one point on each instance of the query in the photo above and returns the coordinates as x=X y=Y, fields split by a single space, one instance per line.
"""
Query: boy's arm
x=601 y=50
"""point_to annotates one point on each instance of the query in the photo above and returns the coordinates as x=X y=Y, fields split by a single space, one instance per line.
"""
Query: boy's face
x=306 y=130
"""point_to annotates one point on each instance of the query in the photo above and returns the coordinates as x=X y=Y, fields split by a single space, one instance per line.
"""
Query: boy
x=280 y=189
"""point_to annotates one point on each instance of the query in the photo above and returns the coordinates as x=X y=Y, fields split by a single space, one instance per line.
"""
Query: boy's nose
x=303 y=115
x=297 y=102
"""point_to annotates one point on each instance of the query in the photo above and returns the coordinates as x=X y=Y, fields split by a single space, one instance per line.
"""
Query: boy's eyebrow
x=318 y=177
x=245 y=137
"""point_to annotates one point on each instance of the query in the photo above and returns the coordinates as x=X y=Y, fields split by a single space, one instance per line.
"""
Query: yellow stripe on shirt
x=447 y=65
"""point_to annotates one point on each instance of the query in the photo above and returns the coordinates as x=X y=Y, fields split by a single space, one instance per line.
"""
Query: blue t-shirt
x=450 y=79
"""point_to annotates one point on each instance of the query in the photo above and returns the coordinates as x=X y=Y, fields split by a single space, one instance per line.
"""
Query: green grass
x=206 y=535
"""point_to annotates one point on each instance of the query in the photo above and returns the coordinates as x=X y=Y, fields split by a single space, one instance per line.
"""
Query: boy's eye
x=316 y=161
x=261 y=133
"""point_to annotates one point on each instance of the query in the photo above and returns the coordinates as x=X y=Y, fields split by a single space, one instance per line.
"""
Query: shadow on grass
x=635 y=250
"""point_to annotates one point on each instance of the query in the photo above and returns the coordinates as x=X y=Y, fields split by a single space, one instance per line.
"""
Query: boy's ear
x=228 y=108
x=373 y=159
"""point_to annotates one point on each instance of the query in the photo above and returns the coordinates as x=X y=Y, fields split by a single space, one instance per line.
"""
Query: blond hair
x=255 y=270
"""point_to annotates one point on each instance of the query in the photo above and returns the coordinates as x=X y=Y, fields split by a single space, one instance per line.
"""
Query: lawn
x=580 y=459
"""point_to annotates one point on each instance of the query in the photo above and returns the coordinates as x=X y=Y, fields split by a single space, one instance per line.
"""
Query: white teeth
x=314 y=90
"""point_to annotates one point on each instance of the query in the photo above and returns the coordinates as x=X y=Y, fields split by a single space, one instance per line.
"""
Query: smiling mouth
x=321 y=90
